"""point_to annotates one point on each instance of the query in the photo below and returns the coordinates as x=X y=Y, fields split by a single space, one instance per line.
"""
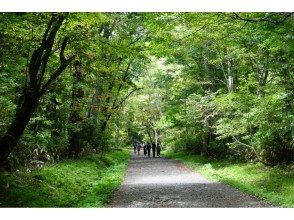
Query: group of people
x=147 y=149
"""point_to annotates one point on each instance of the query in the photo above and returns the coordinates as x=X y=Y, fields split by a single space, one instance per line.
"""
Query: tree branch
x=41 y=55
x=63 y=64
x=251 y=147
x=264 y=19
x=119 y=104
x=201 y=28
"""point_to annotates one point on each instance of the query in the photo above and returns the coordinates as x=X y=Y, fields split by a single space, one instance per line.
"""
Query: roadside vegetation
x=273 y=184
x=85 y=182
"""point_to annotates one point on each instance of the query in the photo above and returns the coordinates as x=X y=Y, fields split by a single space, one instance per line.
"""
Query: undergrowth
x=86 y=182
x=273 y=184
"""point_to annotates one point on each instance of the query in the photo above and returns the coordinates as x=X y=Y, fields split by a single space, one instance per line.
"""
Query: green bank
x=273 y=184
x=86 y=182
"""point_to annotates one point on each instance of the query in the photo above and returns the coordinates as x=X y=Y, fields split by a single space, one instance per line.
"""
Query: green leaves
x=206 y=78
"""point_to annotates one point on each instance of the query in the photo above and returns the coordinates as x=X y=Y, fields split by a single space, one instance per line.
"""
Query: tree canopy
x=218 y=84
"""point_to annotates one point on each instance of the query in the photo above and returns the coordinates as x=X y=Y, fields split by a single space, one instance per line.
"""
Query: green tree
x=36 y=84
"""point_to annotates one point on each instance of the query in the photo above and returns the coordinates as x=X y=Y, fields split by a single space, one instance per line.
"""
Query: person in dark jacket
x=158 y=149
x=145 y=149
x=153 y=149
x=138 y=148
x=148 y=148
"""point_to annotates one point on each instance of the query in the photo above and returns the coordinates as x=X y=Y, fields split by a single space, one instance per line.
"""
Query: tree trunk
x=101 y=142
x=10 y=139
x=230 y=80
x=155 y=137
x=289 y=87
x=149 y=134
x=205 y=145
x=77 y=95
x=117 y=133
x=36 y=86
x=93 y=112
x=75 y=145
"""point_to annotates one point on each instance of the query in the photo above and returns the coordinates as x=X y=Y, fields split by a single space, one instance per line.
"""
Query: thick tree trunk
x=75 y=144
x=205 y=145
x=77 y=96
x=149 y=134
x=103 y=126
x=102 y=144
x=206 y=138
x=155 y=137
x=117 y=133
x=93 y=112
x=35 y=86
x=10 y=139
x=289 y=87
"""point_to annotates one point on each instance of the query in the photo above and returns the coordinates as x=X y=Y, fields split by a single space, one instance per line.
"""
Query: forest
x=74 y=85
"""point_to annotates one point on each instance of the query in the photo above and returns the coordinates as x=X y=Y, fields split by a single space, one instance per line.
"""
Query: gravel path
x=160 y=182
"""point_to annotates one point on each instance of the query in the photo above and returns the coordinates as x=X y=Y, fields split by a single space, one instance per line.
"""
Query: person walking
x=153 y=149
x=148 y=146
x=138 y=148
x=145 y=149
x=135 y=148
x=158 y=149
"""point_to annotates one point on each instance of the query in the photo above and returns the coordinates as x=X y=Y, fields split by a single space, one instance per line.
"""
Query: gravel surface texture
x=159 y=182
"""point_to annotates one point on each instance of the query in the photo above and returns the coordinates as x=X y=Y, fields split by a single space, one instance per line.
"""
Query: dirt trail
x=160 y=182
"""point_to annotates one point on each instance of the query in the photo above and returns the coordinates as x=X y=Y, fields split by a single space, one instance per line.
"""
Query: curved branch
x=251 y=147
x=119 y=104
x=264 y=19
x=63 y=64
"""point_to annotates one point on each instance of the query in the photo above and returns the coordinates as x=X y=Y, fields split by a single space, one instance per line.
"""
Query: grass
x=86 y=182
x=273 y=184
